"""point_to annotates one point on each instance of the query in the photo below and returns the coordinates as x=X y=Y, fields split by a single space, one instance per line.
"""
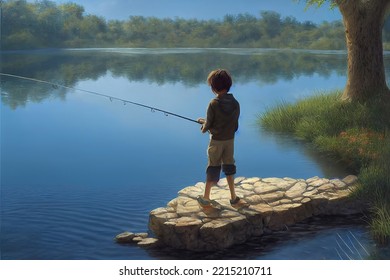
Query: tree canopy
x=364 y=21
x=45 y=24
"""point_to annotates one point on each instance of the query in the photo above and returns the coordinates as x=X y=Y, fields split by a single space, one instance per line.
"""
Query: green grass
x=356 y=134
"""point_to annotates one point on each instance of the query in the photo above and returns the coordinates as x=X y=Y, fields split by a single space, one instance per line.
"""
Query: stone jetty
x=268 y=204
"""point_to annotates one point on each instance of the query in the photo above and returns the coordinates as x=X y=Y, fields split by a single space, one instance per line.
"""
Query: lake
x=77 y=168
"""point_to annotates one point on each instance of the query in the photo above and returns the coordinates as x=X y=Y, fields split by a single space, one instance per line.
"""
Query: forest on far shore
x=45 y=24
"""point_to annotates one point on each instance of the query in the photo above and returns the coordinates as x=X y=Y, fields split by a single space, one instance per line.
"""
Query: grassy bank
x=354 y=133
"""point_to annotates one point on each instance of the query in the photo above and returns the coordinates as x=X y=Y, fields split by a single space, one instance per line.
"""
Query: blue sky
x=203 y=9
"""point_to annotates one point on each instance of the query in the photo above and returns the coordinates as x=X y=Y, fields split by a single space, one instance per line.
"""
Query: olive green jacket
x=222 y=117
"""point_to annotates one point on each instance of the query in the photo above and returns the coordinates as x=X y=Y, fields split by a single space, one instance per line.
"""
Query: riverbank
x=355 y=134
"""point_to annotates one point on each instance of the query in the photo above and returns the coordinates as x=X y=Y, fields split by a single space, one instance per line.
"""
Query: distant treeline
x=45 y=24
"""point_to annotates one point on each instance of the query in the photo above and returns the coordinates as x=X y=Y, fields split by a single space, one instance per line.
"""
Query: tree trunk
x=363 y=21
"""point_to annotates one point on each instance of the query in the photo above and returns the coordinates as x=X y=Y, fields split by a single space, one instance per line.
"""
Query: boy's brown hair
x=219 y=80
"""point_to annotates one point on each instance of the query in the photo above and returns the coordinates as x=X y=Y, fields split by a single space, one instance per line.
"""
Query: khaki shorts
x=220 y=153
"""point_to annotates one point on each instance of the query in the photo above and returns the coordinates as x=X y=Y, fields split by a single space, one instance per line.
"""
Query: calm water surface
x=77 y=169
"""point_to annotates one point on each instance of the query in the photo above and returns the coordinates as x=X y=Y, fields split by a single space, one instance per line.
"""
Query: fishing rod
x=111 y=98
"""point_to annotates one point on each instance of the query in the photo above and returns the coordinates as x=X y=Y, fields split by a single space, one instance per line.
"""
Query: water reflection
x=189 y=67
x=329 y=167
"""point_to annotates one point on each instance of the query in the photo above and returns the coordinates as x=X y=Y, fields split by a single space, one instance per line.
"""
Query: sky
x=203 y=9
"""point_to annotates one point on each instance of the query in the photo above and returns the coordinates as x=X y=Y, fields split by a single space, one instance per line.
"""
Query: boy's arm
x=238 y=115
x=209 y=119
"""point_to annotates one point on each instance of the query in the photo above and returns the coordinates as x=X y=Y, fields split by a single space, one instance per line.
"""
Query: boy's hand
x=201 y=120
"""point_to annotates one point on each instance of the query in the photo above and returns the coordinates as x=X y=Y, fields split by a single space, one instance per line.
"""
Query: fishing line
x=111 y=98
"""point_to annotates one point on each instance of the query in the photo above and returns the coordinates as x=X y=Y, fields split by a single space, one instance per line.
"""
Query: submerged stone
x=149 y=242
x=125 y=237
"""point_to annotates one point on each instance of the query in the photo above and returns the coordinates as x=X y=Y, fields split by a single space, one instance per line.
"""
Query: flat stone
x=343 y=193
x=296 y=190
x=160 y=210
x=250 y=180
x=238 y=180
x=274 y=203
x=269 y=197
x=187 y=190
x=285 y=185
x=187 y=210
x=291 y=180
x=263 y=188
x=312 y=179
x=220 y=194
x=141 y=234
x=262 y=208
x=230 y=214
x=222 y=183
x=338 y=183
x=173 y=203
x=310 y=193
x=350 y=179
x=242 y=193
x=318 y=182
x=187 y=221
x=254 y=199
x=182 y=200
x=272 y=180
x=216 y=224
x=149 y=242
x=285 y=201
x=281 y=183
x=125 y=237
x=246 y=186
x=167 y=215
x=326 y=187
x=297 y=199
x=191 y=203
x=137 y=239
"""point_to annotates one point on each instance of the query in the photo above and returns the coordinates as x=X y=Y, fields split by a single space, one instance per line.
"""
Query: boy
x=222 y=123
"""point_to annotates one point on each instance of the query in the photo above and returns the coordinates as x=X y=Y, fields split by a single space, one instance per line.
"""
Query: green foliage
x=355 y=133
x=319 y=3
x=375 y=181
x=305 y=117
x=44 y=24
x=326 y=114
x=380 y=224
x=356 y=147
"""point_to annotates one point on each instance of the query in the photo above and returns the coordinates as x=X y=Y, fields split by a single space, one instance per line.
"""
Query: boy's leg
x=213 y=173
x=228 y=166
x=207 y=189
x=230 y=180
